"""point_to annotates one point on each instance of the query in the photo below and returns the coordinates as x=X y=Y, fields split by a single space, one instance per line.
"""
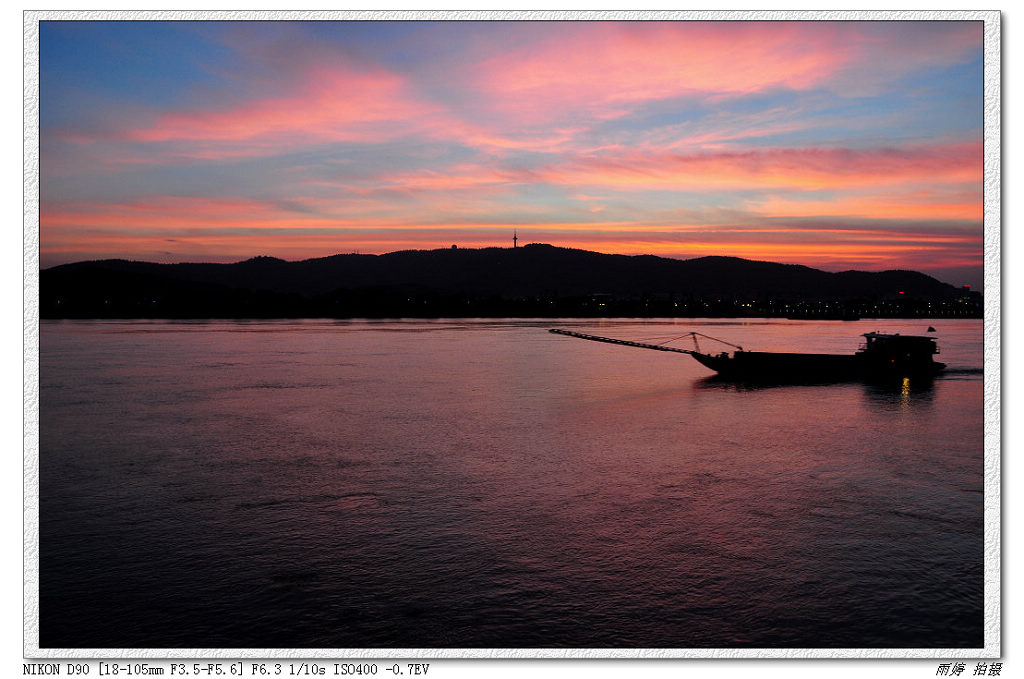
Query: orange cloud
x=160 y=212
x=804 y=169
x=889 y=207
x=816 y=248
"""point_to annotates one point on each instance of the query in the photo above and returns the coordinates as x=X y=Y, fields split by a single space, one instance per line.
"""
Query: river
x=487 y=484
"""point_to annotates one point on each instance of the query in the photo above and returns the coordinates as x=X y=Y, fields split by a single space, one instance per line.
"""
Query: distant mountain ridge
x=529 y=272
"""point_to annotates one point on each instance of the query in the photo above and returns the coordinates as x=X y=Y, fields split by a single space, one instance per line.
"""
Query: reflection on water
x=905 y=391
x=906 y=388
x=487 y=484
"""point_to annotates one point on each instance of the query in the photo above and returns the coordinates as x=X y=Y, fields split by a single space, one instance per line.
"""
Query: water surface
x=335 y=484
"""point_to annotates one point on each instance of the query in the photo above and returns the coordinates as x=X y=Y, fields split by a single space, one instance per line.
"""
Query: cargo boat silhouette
x=881 y=356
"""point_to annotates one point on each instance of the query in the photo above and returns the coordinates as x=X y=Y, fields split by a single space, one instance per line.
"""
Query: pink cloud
x=334 y=103
x=606 y=68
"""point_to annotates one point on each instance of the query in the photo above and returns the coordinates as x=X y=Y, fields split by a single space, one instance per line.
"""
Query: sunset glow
x=836 y=145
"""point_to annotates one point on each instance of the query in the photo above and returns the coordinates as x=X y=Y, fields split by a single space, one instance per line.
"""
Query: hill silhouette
x=531 y=280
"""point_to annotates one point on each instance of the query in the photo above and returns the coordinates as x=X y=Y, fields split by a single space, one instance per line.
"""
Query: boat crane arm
x=610 y=340
x=700 y=334
x=642 y=345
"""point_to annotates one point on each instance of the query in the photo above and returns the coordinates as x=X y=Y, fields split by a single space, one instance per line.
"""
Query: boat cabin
x=897 y=344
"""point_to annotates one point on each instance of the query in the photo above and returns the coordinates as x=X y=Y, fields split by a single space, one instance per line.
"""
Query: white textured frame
x=992 y=324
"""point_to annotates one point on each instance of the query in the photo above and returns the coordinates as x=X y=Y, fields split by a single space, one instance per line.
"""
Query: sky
x=837 y=145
